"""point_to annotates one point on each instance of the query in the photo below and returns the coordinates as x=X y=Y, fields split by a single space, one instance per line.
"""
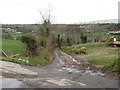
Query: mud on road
x=64 y=72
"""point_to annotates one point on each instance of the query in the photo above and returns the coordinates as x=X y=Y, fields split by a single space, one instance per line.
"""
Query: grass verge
x=100 y=54
x=14 y=47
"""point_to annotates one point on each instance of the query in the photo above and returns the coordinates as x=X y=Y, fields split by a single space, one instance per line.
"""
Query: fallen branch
x=4 y=54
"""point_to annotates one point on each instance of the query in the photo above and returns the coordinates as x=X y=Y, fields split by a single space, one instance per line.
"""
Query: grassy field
x=12 y=47
x=90 y=36
x=100 y=54
x=14 y=35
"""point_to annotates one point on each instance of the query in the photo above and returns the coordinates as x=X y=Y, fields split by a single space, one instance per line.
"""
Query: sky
x=63 y=11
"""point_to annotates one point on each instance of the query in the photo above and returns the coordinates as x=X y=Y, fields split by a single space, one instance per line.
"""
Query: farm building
x=114 y=32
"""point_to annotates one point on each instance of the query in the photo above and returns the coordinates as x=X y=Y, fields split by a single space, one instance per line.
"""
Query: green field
x=91 y=36
x=13 y=35
x=12 y=46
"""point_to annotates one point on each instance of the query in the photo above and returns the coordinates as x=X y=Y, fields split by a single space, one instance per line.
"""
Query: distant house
x=114 y=32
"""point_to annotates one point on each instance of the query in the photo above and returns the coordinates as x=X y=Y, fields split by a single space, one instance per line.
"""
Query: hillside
x=103 y=21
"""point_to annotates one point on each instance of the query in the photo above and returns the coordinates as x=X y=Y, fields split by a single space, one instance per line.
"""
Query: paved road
x=64 y=72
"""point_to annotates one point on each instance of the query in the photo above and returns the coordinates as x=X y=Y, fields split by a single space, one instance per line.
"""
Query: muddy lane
x=64 y=72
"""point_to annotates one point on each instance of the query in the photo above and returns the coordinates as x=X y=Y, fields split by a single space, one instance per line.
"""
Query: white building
x=114 y=32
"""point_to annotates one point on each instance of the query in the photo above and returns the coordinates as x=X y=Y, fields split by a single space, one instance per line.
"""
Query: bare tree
x=47 y=15
x=45 y=29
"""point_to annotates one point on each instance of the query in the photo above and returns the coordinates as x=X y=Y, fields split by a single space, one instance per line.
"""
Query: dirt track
x=64 y=72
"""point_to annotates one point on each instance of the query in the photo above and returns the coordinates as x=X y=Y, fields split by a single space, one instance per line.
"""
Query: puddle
x=94 y=73
x=71 y=58
x=10 y=83
x=71 y=69
x=88 y=71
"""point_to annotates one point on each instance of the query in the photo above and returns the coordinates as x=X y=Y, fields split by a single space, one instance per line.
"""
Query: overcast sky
x=65 y=11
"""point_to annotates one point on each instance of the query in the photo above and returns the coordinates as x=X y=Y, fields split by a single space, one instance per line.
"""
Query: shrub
x=83 y=38
x=32 y=45
x=80 y=51
x=59 y=41
x=68 y=48
x=69 y=41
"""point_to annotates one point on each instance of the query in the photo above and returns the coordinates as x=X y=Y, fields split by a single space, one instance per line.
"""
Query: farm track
x=64 y=72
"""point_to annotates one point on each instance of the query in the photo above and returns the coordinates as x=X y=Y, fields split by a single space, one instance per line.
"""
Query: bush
x=83 y=38
x=68 y=48
x=80 y=51
x=32 y=45
x=59 y=41
x=69 y=43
